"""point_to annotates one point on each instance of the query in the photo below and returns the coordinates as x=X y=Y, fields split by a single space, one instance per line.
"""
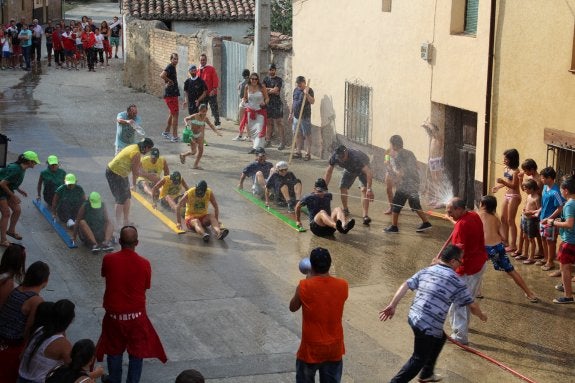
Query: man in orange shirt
x=322 y=298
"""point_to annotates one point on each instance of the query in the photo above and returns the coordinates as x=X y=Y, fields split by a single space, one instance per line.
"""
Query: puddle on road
x=18 y=101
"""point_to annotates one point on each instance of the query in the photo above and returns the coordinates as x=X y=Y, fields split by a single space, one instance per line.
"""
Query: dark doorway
x=460 y=152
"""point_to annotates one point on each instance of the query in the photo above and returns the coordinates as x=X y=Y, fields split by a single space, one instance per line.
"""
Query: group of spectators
x=75 y=45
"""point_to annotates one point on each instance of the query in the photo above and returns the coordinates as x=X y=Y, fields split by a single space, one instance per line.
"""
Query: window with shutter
x=471 y=12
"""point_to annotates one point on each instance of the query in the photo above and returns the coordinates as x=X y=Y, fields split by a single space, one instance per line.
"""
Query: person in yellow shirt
x=197 y=218
x=117 y=171
x=151 y=169
x=169 y=190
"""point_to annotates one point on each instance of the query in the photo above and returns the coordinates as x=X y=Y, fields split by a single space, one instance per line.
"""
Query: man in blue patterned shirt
x=437 y=287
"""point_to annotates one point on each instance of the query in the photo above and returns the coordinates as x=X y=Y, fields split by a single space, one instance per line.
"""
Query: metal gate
x=234 y=57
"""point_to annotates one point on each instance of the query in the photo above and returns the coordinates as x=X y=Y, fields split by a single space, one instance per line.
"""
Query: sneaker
x=281 y=147
x=95 y=249
x=346 y=212
x=366 y=220
x=339 y=226
x=175 y=139
x=70 y=223
x=423 y=227
x=238 y=138
x=107 y=247
x=166 y=135
x=223 y=234
x=432 y=378
x=291 y=207
x=563 y=300
x=392 y=229
x=268 y=144
x=560 y=287
x=350 y=224
x=206 y=237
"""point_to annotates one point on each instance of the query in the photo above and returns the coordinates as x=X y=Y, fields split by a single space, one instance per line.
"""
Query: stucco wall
x=382 y=50
x=534 y=89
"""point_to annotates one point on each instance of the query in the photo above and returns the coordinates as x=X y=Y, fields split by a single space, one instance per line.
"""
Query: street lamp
x=3 y=150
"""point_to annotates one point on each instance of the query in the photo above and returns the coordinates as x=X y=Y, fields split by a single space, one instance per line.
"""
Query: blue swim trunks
x=499 y=258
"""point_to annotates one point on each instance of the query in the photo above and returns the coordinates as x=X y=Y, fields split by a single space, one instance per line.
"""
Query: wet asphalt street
x=222 y=307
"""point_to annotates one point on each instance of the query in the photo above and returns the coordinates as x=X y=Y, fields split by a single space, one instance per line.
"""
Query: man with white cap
x=284 y=185
x=93 y=225
x=67 y=200
x=52 y=178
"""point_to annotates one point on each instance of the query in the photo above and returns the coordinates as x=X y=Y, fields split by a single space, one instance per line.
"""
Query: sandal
x=516 y=253
x=510 y=249
x=528 y=261
x=5 y=243
x=532 y=299
x=539 y=262
x=296 y=155
x=14 y=235
x=520 y=258
x=307 y=157
x=547 y=267
x=182 y=159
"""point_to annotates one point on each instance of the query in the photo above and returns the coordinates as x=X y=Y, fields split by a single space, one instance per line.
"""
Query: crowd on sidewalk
x=70 y=44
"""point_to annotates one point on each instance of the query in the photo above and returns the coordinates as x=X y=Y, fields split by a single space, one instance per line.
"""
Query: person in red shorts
x=126 y=325
x=321 y=298
x=171 y=98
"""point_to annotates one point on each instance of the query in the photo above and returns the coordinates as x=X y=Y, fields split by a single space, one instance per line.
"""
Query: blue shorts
x=6 y=54
x=499 y=258
x=304 y=127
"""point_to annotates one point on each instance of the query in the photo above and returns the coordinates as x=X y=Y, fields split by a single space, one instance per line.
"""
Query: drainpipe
x=488 y=92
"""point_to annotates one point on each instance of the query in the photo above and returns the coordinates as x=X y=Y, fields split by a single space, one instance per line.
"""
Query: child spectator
x=57 y=46
x=495 y=247
x=512 y=199
x=197 y=123
x=529 y=172
x=99 y=48
x=78 y=370
x=6 y=44
x=551 y=207
x=566 y=226
x=530 y=221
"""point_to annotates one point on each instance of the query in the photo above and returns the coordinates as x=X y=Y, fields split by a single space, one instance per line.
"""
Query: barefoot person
x=196 y=201
x=11 y=178
x=169 y=190
x=197 y=123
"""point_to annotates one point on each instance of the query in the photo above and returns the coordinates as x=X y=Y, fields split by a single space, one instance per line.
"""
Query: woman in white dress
x=255 y=100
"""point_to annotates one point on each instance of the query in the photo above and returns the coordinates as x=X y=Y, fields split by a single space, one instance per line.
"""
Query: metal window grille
x=562 y=160
x=357 y=122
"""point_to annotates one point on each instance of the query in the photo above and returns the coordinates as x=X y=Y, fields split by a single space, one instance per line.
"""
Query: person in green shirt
x=67 y=200
x=52 y=178
x=11 y=178
x=93 y=225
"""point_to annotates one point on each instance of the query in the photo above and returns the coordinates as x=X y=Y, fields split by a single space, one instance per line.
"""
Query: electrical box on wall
x=426 y=51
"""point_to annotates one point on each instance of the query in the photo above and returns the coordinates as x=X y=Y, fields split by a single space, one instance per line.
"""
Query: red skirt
x=137 y=336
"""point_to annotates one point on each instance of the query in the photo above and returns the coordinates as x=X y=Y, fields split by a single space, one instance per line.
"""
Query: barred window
x=357 y=122
x=560 y=151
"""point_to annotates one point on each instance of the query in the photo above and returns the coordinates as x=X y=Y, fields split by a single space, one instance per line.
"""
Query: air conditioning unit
x=426 y=49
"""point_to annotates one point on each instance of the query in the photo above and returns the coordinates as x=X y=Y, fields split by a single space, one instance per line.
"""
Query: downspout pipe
x=488 y=96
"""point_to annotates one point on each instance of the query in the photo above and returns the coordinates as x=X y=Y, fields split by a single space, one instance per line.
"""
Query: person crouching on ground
x=196 y=201
x=93 y=225
x=323 y=221
x=169 y=190
x=285 y=187
x=67 y=201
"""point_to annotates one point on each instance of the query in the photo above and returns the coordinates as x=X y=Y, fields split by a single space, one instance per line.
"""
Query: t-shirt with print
x=568 y=235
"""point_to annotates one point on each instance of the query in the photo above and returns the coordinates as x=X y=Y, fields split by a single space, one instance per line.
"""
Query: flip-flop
x=539 y=262
x=14 y=235
x=5 y=243
x=510 y=249
x=532 y=299
x=516 y=253
x=528 y=261
x=520 y=258
x=547 y=268
x=555 y=274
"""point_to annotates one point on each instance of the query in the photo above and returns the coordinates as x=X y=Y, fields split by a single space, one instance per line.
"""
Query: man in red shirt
x=322 y=298
x=209 y=75
x=126 y=325
x=468 y=236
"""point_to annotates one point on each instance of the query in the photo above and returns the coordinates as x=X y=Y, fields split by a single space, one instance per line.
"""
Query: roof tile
x=191 y=10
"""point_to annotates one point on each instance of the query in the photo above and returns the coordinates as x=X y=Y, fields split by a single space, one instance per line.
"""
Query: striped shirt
x=437 y=288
